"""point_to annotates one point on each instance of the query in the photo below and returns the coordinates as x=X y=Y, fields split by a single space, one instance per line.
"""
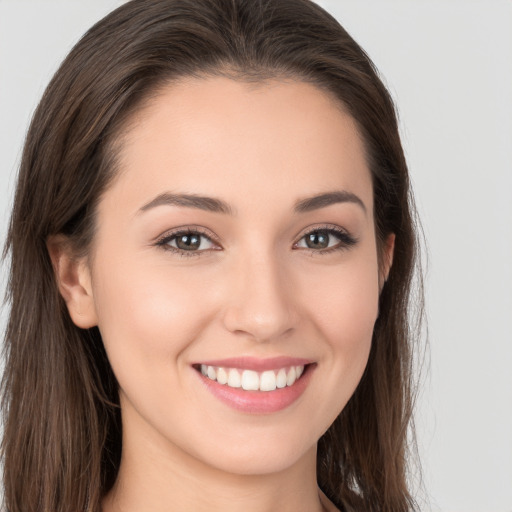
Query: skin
x=256 y=290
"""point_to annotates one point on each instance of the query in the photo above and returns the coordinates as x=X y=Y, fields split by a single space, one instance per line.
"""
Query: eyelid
x=316 y=227
x=188 y=228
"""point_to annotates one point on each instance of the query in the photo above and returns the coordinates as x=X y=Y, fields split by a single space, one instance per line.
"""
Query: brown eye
x=326 y=240
x=188 y=242
x=317 y=240
x=183 y=242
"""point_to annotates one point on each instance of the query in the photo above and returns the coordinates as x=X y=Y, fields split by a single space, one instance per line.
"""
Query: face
x=238 y=242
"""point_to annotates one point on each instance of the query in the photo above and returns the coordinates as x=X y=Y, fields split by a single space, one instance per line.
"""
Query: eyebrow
x=322 y=200
x=209 y=204
x=215 y=205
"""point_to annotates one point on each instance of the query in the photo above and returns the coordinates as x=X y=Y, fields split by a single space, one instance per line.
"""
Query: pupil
x=317 y=240
x=188 y=242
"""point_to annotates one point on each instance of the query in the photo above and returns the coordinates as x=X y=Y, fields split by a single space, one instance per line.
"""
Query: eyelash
x=345 y=240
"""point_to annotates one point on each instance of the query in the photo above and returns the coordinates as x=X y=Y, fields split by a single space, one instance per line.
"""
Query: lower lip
x=259 y=402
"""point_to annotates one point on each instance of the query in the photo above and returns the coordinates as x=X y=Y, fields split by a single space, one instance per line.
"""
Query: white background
x=448 y=64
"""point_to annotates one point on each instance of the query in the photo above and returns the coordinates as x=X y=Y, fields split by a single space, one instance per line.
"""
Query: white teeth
x=234 y=380
x=222 y=376
x=281 y=378
x=290 y=378
x=251 y=380
x=268 y=381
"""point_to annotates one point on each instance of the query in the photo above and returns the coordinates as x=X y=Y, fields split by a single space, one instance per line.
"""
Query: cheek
x=148 y=312
x=345 y=307
x=345 y=302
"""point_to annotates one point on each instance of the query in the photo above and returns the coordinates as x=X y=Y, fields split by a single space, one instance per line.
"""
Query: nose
x=261 y=303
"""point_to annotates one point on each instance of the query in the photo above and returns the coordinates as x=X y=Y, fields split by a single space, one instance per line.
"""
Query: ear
x=74 y=281
x=387 y=259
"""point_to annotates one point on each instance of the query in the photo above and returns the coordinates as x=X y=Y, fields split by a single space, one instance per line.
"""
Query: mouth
x=251 y=380
x=256 y=386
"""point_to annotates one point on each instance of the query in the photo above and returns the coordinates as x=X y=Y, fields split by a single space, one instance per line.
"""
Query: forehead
x=267 y=141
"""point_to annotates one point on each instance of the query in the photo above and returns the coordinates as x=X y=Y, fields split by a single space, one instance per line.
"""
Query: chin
x=258 y=454
x=260 y=462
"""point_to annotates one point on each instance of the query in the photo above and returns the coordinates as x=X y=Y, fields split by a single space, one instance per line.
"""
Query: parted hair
x=62 y=425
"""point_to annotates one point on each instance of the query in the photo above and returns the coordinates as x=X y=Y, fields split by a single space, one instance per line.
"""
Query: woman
x=211 y=255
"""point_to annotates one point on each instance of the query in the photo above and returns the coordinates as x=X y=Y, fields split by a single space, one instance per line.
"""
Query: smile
x=256 y=386
x=251 y=380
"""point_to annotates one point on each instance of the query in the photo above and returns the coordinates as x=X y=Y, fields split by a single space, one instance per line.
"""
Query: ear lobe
x=74 y=281
x=387 y=259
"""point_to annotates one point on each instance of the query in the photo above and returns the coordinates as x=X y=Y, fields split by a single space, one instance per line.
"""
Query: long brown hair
x=62 y=430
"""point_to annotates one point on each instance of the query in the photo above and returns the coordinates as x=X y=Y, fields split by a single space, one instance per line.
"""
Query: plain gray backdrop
x=448 y=64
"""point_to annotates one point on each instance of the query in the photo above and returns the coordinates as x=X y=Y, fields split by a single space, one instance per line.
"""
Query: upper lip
x=257 y=364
